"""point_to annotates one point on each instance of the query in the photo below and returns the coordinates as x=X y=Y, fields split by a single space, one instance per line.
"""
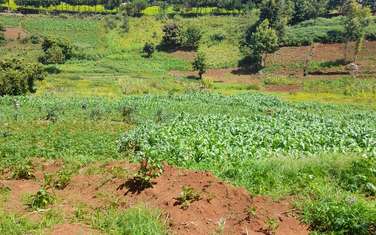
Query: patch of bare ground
x=184 y=55
x=286 y=59
x=71 y=229
x=229 y=75
x=220 y=206
x=15 y=33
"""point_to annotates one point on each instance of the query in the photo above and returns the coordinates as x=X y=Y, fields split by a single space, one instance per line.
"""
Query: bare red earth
x=14 y=33
x=219 y=203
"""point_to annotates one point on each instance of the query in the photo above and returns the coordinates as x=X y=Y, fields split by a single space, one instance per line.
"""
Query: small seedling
x=59 y=180
x=251 y=212
x=40 y=200
x=271 y=226
x=221 y=227
x=187 y=196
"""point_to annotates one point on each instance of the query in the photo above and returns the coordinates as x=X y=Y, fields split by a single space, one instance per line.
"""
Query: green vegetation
x=40 y=200
x=139 y=220
x=187 y=196
x=18 y=77
x=108 y=92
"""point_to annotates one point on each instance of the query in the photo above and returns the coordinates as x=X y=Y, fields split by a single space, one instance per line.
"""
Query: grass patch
x=139 y=220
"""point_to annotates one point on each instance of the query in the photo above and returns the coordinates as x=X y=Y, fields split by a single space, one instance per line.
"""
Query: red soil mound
x=220 y=204
x=14 y=33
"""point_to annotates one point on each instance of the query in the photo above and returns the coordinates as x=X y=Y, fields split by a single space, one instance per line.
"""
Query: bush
x=343 y=216
x=56 y=51
x=52 y=69
x=148 y=49
x=217 y=37
x=192 y=37
x=54 y=55
x=172 y=37
x=18 y=77
x=34 y=39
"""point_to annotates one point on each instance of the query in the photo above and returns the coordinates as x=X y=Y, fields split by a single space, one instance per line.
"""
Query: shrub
x=53 y=55
x=41 y=200
x=18 y=77
x=172 y=37
x=52 y=69
x=148 y=49
x=56 y=51
x=192 y=37
x=34 y=39
x=199 y=64
x=343 y=216
x=217 y=37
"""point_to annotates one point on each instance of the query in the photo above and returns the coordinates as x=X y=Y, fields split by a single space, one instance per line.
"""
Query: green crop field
x=299 y=132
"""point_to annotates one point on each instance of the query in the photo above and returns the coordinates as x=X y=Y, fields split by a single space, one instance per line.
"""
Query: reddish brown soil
x=219 y=202
x=72 y=229
x=14 y=33
x=286 y=60
x=184 y=55
x=230 y=75
x=283 y=88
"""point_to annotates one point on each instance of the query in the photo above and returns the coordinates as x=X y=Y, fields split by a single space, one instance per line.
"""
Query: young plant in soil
x=149 y=169
x=271 y=226
x=23 y=171
x=57 y=181
x=40 y=200
x=187 y=196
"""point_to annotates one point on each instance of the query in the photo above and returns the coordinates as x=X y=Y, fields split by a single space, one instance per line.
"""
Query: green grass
x=321 y=30
x=312 y=147
x=138 y=220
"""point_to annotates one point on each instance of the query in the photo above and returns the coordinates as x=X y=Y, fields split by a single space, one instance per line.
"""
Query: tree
x=263 y=41
x=148 y=49
x=278 y=13
x=309 y=9
x=172 y=37
x=192 y=37
x=18 y=77
x=199 y=64
x=124 y=22
x=356 y=20
x=135 y=7
x=56 y=51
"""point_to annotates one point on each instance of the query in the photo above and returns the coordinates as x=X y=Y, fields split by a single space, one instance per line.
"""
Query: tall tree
x=356 y=20
x=278 y=13
x=263 y=41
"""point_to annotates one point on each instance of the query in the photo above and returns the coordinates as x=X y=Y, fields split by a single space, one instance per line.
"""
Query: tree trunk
x=345 y=54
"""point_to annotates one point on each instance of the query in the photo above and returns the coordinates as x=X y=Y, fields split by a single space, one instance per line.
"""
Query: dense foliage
x=1 y=34
x=258 y=44
x=18 y=77
x=56 y=51
x=271 y=128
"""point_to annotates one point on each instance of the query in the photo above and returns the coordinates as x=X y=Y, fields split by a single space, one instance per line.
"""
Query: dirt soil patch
x=14 y=33
x=184 y=55
x=288 y=61
x=219 y=204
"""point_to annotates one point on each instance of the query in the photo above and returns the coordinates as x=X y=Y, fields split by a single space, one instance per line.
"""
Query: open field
x=113 y=142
